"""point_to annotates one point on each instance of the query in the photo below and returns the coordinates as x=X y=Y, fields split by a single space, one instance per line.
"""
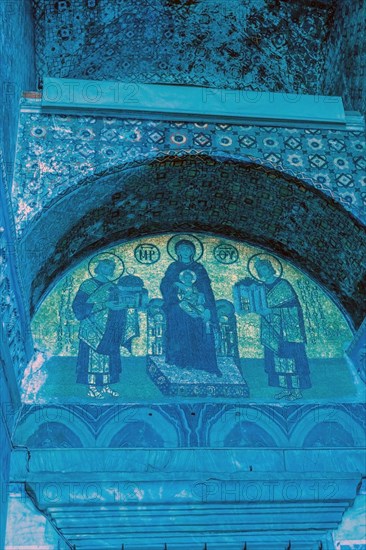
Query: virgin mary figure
x=191 y=317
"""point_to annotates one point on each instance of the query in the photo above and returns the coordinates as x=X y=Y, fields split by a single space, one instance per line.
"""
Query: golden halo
x=120 y=267
x=186 y=237
x=276 y=264
x=192 y=273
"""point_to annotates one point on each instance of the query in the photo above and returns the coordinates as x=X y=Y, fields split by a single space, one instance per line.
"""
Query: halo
x=194 y=276
x=184 y=236
x=276 y=264
x=120 y=267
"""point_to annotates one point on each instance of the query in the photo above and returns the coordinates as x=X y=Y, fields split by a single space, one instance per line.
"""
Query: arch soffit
x=113 y=197
x=164 y=157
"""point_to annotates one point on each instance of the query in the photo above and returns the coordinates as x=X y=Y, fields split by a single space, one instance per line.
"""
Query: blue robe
x=108 y=343
x=188 y=344
x=284 y=338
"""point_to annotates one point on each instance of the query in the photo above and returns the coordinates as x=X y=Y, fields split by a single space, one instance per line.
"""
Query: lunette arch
x=239 y=200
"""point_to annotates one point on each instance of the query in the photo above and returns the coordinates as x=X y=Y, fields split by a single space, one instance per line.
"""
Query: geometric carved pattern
x=59 y=152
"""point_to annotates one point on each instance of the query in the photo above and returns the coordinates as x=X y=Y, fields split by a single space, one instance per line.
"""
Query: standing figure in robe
x=190 y=309
x=283 y=335
x=282 y=328
x=103 y=329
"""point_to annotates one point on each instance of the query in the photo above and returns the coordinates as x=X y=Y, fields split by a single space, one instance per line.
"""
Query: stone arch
x=53 y=435
x=101 y=170
x=46 y=419
x=138 y=416
x=328 y=434
x=321 y=418
x=243 y=200
x=221 y=431
x=249 y=434
x=142 y=434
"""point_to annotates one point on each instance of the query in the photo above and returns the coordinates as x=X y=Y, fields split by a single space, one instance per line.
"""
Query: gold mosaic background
x=55 y=328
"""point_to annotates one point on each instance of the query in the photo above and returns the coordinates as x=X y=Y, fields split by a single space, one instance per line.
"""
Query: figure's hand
x=179 y=285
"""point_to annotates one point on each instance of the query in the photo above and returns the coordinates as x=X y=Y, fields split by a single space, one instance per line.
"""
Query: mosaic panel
x=17 y=72
x=257 y=45
x=193 y=316
x=332 y=161
x=13 y=341
x=264 y=207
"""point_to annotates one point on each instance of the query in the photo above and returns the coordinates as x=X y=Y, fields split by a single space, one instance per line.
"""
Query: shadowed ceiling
x=257 y=44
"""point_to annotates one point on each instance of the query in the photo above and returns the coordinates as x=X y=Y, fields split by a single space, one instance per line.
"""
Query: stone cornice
x=193 y=103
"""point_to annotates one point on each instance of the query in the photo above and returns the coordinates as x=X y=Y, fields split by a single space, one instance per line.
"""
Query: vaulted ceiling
x=257 y=44
x=301 y=46
x=298 y=222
